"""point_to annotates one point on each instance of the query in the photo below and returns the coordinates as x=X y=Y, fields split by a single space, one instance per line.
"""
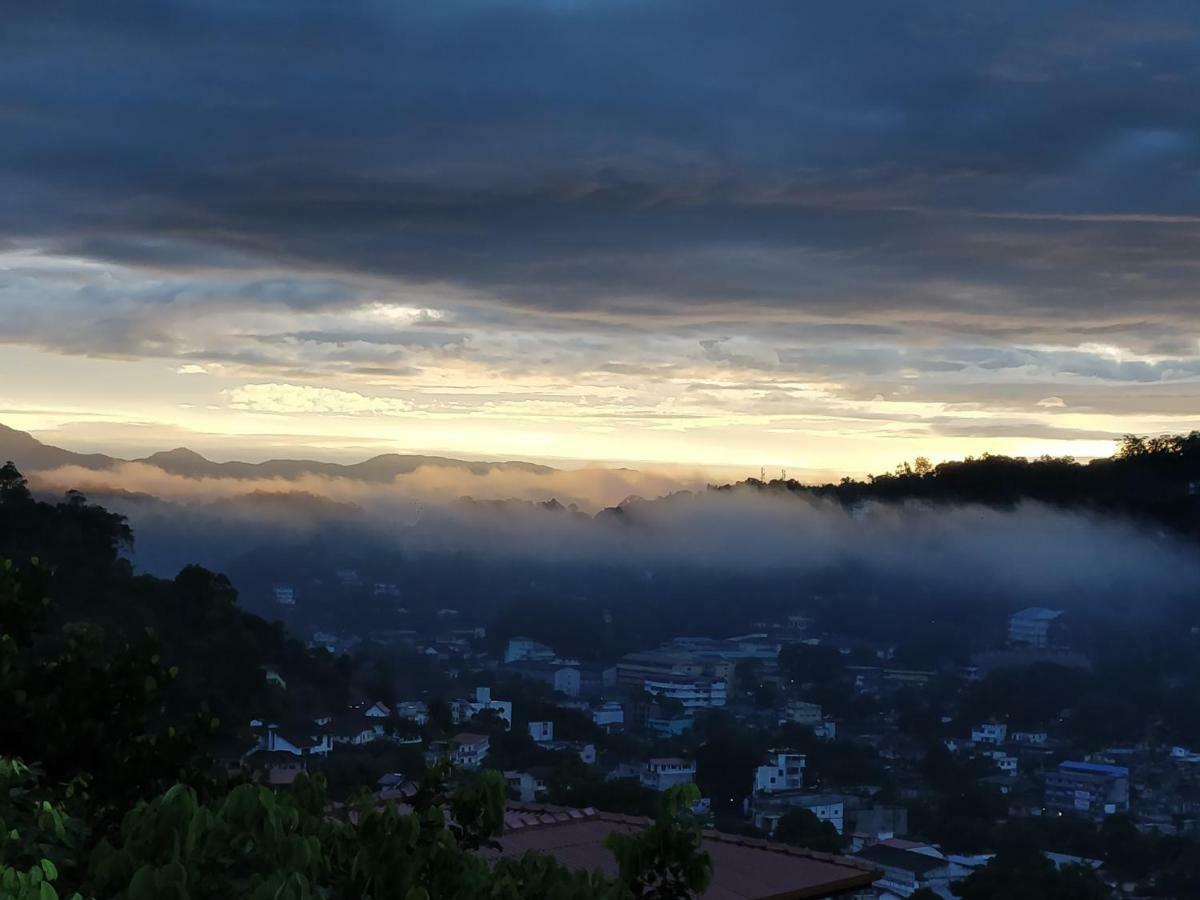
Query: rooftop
x=743 y=868
x=896 y=858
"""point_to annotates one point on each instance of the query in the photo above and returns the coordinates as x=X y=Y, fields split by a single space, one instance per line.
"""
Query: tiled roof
x=743 y=868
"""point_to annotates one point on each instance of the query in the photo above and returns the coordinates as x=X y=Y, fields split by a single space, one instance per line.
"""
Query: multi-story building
x=541 y=731
x=1094 y=790
x=693 y=694
x=563 y=678
x=469 y=750
x=783 y=771
x=664 y=772
x=1036 y=626
x=768 y=810
x=990 y=733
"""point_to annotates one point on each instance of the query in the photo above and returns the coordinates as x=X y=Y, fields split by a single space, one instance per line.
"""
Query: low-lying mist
x=1031 y=551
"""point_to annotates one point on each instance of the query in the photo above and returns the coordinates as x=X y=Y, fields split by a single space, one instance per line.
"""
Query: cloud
x=299 y=398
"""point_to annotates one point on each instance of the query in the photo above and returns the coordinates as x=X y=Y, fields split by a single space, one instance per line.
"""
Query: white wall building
x=462 y=710
x=990 y=733
x=469 y=750
x=609 y=716
x=285 y=594
x=784 y=771
x=665 y=772
x=693 y=695
x=541 y=731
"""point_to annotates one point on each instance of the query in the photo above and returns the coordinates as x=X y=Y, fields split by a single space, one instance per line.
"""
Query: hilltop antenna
x=762 y=473
x=783 y=474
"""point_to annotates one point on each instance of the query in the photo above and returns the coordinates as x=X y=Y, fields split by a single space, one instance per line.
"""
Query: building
x=784 y=771
x=907 y=871
x=768 y=809
x=541 y=731
x=564 y=679
x=523 y=648
x=743 y=868
x=463 y=710
x=299 y=739
x=415 y=711
x=1094 y=790
x=693 y=694
x=469 y=750
x=1030 y=738
x=527 y=785
x=664 y=772
x=826 y=731
x=1036 y=626
x=1005 y=762
x=990 y=733
x=801 y=713
x=609 y=716
x=596 y=678
x=285 y=594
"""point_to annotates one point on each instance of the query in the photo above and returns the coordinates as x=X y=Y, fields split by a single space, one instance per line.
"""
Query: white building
x=693 y=694
x=1032 y=627
x=522 y=648
x=665 y=772
x=415 y=711
x=990 y=733
x=285 y=594
x=829 y=808
x=541 y=731
x=1004 y=761
x=469 y=750
x=462 y=710
x=784 y=771
x=609 y=716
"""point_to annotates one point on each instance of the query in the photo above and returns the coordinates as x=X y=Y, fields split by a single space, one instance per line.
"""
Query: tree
x=14 y=489
x=802 y=828
x=1025 y=872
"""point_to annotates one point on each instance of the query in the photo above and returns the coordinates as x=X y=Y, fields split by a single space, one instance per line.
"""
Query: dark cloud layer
x=1013 y=163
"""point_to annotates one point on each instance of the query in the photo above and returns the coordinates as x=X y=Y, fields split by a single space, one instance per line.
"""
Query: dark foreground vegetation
x=107 y=782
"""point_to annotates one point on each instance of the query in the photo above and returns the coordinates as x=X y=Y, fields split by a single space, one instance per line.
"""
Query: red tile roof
x=743 y=868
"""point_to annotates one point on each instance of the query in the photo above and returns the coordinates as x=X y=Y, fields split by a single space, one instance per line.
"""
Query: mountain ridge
x=31 y=455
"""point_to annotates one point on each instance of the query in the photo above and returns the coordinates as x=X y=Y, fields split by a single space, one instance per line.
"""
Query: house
x=541 y=731
x=1036 y=626
x=378 y=710
x=874 y=823
x=664 y=772
x=355 y=729
x=609 y=716
x=743 y=868
x=783 y=771
x=989 y=733
x=462 y=710
x=278 y=768
x=285 y=594
x=1005 y=762
x=523 y=648
x=907 y=871
x=415 y=711
x=1184 y=755
x=300 y=739
x=469 y=750
x=1094 y=790
x=669 y=726
x=528 y=785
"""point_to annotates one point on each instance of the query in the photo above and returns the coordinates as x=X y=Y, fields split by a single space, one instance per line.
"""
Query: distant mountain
x=31 y=455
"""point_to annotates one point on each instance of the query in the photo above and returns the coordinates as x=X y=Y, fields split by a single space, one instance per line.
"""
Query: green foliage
x=1026 y=873
x=665 y=861
x=39 y=838
x=802 y=828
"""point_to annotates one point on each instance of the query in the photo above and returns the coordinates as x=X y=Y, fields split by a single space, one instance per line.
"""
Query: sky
x=821 y=236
